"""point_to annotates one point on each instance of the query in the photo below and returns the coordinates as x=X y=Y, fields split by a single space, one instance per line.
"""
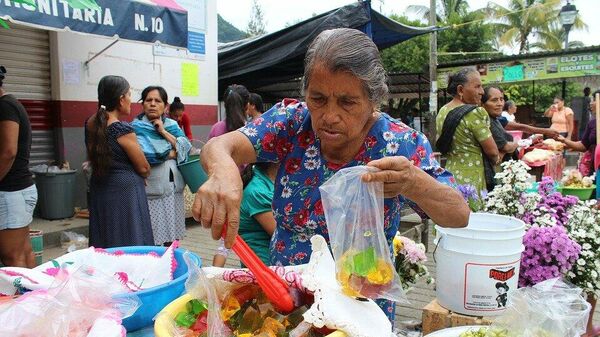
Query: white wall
x=134 y=61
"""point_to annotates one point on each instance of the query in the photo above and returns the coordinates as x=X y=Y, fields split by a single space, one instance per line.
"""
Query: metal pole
x=567 y=29
x=420 y=105
x=432 y=73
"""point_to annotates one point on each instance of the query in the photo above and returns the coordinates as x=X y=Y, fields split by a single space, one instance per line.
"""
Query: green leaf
x=84 y=4
x=27 y=2
x=55 y=264
x=4 y=24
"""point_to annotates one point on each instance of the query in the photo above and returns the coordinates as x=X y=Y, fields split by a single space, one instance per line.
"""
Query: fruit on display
x=574 y=179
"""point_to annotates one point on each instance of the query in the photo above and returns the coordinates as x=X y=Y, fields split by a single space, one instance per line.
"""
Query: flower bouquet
x=410 y=261
x=549 y=253
x=584 y=228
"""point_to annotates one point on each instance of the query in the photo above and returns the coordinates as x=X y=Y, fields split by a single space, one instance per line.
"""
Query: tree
x=445 y=9
x=409 y=56
x=413 y=55
x=256 y=26
x=552 y=37
x=523 y=19
x=464 y=32
x=227 y=32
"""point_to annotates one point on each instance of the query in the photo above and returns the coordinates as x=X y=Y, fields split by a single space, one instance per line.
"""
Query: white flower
x=392 y=148
x=311 y=151
x=312 y=163
x=250 y=132
x=311 y=224
x=388 y=136
x=287 y=192
x=581 y=262
x=284 y=180
x=303 y=237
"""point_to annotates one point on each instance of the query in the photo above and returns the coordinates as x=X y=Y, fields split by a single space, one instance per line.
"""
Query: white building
x=55 y=72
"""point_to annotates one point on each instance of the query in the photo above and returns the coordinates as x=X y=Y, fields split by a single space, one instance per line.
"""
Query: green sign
x=543 y=68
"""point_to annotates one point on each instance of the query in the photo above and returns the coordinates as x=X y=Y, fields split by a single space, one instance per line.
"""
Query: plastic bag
x=71 y=241
x=354 y=215
x=550 y=308
x=78 y=305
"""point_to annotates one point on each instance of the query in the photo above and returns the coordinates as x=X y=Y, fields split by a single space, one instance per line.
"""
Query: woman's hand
x=397 y=175
x=218 y=201
x=158 y=125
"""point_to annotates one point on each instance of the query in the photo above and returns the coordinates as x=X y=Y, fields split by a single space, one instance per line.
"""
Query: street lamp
x=567 y=15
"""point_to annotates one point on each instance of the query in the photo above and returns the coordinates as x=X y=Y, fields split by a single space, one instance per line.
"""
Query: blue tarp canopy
x=279 y=56
x=143 y=20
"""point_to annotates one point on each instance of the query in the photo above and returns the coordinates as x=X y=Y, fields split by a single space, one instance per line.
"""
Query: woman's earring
x=461 y=97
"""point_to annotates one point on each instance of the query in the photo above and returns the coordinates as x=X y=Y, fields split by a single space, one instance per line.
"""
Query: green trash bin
x=193 y=174
x=56 y=194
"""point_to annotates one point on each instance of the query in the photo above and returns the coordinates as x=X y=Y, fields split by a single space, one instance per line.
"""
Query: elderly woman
x=339 y=126
x=509 y=110
x=164 y=145
x=464 y=129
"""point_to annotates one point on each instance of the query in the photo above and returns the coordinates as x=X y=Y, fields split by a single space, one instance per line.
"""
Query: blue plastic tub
x=154 y=299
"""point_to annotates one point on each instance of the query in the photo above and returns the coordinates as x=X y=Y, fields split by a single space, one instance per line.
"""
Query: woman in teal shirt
x=257 y=223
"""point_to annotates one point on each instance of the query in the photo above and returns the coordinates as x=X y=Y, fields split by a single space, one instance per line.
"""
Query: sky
x=279 y=12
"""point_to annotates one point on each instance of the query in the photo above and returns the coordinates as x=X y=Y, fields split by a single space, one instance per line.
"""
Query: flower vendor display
x=563 y=232
x=410 y=261
x=549 y=253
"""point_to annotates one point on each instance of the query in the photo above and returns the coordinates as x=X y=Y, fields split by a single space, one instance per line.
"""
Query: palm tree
x=552 y=37
x=445 y=9
x=518 y=22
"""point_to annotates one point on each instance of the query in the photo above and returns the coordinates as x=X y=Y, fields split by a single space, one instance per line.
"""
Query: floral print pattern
x=284 y=134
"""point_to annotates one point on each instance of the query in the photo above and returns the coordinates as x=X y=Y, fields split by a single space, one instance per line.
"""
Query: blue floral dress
x=284 y=134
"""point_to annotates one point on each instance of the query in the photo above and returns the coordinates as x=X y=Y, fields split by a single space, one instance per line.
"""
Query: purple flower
x=549 y=253
x=468 y=192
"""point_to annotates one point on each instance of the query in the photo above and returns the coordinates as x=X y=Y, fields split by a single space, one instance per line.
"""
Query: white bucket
x=477 y=266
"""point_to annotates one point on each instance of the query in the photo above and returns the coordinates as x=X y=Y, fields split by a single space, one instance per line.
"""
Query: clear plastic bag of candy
x=354 y=214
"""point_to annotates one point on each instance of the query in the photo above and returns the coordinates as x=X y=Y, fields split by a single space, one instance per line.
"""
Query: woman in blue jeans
x=18 y=194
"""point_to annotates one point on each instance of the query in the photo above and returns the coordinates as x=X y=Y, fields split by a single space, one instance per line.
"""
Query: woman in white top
x=510 y=108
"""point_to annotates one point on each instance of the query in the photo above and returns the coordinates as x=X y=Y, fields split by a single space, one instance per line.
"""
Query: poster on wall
x=543 y=68
x=196 y=38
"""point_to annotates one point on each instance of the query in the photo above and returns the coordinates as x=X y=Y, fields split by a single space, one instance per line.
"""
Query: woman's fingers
x=397 y=174
x=233 y=222
x=392 y=169
x=206 y=213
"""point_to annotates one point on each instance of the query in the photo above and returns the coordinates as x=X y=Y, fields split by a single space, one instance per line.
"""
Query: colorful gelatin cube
x=185 y=319
x=196 y=306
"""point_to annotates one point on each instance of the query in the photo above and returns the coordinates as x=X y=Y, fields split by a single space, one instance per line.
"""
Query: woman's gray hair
x=461 y=77
x=346 y=49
